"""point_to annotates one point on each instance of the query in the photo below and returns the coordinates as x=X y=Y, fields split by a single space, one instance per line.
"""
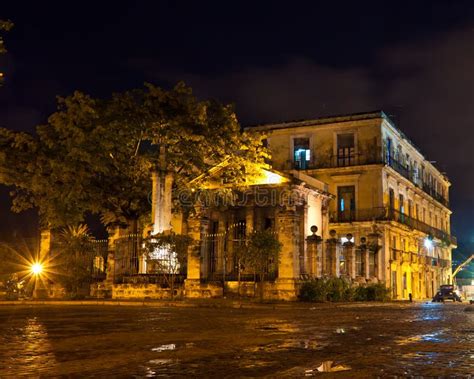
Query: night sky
x=275 y=61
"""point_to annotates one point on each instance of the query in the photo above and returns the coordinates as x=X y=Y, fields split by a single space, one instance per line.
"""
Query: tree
x=5 y=25
x=168 y=253
x=96 y=155
x=73 y=261
x=262 y=254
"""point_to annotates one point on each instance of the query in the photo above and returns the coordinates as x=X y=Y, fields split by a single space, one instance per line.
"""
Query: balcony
x=333 y=161
x=387 y=214
x=371 y=156
x=402 y=256
x=409 y=174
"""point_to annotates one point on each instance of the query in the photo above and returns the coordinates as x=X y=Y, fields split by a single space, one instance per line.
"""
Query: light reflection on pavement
x=373 y=339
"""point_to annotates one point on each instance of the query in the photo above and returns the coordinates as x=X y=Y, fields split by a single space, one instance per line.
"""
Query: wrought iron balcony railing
x=387 y=214
x=402 y=256
x=410 y=175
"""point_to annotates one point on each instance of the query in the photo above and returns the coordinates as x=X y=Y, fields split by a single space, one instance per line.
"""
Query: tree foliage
x=96 y=155
x=73 y=261
x=5 y=25
x=261 y=254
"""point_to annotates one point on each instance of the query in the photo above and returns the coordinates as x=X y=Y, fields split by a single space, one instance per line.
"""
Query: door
x=394 y=284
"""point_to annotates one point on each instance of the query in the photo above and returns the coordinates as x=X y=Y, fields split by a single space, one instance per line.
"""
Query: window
x=409 y=166
x=389 y=152
x=302 y=153
x=415 y=172
x=346 y=203
x=399 y=154
x=391 y=202
x=410 y=208
x=345 y=149
x=401 y=204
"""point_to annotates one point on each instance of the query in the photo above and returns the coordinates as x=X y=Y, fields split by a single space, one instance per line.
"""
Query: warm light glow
x=269 y=177
x=428 y=243
x=37 y=268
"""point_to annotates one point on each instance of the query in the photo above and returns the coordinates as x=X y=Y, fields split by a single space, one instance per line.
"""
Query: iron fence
x=222 y=253
x=127 y=252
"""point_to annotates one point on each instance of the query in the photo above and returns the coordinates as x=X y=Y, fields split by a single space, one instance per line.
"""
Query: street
x=285 y=340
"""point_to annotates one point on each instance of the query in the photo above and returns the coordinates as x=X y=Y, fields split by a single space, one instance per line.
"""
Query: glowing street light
x=36 y=268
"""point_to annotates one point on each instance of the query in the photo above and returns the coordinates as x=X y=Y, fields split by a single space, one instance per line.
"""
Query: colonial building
x=390 y=220
x=288 y=204
x=291 y=205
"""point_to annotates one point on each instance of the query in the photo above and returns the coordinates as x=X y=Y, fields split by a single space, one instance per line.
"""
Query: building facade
x=388 y=197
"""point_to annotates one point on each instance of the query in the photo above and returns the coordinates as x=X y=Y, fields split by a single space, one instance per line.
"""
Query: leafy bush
x=313 y=290
x=360 y=293
x=339 y=289
x=326 y=289
x=378 y=292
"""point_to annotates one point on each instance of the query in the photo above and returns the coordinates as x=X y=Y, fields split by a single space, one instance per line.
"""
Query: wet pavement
x=374 y=340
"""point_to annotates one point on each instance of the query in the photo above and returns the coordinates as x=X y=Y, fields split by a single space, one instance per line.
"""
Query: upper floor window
x=346 y=203
x=345 y=149
x=415 y=172
x=302 y=153
x=401 y=204
x=389 y=152
x=399 y=155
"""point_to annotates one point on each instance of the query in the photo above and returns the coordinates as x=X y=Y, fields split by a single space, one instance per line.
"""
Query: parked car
x=446 y=292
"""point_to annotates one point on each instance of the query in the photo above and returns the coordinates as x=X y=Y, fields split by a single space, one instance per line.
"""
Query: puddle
x=428 y=337
x=279 y=326
x=289 y=344
x=160 y=361
x=167 y=347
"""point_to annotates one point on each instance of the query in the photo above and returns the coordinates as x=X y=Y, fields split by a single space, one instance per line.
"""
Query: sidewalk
x=186 y=303
x=206 y=303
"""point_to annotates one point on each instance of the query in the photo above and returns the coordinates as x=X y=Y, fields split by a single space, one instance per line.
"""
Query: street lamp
x=428 y=243
x=36 y=268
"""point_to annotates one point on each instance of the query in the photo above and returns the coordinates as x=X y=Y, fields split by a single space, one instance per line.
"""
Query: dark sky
x=275 y=61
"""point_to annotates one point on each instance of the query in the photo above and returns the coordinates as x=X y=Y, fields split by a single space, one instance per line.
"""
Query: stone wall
x=143 y=291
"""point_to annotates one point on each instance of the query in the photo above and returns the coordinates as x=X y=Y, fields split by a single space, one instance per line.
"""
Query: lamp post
x=36 y=270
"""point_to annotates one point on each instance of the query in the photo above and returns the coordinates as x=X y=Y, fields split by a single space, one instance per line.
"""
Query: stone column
x=288 y=233
x=288 y=266
x=349 y=254
x=196 y=229
x=313 y=248
x=332 y=254
x=375 y=246
x=161 y=201
x=365 y=257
